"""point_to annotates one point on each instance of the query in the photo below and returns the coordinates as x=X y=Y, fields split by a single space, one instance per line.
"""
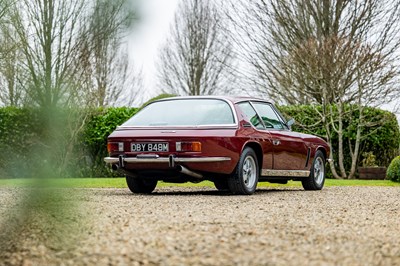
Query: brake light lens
x=193 y=146
x=115 y=146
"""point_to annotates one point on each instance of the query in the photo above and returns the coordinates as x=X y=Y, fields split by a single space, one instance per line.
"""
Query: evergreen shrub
x=393 y=171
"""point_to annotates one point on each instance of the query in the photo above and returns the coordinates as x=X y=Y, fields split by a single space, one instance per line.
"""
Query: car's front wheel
x=316 y=179
x=245 y=178
x=141 y=185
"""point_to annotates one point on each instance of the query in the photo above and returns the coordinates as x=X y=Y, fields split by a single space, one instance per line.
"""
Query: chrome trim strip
x=112 y=160
x=202 y=160
x=289 y=173
x=183 y=127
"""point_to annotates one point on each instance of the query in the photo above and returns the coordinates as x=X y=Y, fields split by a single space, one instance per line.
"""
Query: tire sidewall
x=319 y=154
x=245 y=154
x=139 y=185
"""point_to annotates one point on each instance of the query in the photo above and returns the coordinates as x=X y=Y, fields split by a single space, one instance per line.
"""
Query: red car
x=234 y=142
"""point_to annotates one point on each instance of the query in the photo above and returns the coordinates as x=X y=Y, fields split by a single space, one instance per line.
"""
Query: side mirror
x=290 y=123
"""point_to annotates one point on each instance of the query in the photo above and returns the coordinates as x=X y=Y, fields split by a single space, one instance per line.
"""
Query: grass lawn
x=120 y=183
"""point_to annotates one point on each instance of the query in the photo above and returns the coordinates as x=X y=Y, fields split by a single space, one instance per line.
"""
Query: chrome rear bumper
x=115 y=160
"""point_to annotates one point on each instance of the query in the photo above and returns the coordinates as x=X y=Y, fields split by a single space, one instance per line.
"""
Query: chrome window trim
x=262 y=122
x=284 y=127
x=182 y=127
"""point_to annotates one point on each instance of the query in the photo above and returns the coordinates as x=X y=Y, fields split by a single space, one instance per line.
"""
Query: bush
x=102 y=123
x=393 y=171
x=381 y=138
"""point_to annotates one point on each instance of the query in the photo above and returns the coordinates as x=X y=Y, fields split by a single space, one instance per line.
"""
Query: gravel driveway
x=200 y=226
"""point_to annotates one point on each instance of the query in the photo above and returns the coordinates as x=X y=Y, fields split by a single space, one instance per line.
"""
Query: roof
x=233 y=99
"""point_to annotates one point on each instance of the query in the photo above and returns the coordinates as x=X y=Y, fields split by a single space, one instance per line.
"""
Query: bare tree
x=108 y=75
x=10 y=92
x=339 y=53
x=51 y=35
x=197 y=56
x=47 y=31
x=11 y=75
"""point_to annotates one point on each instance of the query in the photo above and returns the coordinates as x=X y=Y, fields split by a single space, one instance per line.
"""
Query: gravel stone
x=201 y=226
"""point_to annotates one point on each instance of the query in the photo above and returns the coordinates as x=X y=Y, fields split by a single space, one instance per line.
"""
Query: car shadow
x=205 y=192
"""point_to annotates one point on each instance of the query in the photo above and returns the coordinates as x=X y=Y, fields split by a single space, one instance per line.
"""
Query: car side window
x=268 y=115
x=251 y=115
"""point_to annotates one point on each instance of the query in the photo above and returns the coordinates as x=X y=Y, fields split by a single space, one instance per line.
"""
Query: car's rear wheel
x=141 y=185
x=245 y=178
x=316 y=179
x=221 y=184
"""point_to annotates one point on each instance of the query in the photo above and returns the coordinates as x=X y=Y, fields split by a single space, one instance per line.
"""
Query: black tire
x=245 y=177
x=316 y=179
x=140 y=185
x=221 y=184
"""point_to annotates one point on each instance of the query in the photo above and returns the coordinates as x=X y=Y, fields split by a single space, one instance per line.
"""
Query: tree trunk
x=340 y=142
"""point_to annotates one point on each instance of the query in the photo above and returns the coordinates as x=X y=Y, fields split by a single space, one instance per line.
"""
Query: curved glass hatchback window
x=184 y=112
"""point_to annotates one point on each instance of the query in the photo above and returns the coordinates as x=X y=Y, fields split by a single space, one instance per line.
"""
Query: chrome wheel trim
x=249 y=172
x=319 y=170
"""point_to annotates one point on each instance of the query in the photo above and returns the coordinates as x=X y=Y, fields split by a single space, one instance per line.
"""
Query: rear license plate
x=149 y=146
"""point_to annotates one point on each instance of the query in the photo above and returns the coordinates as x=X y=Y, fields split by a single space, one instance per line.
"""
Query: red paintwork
x=215 y=142
x=291 y=154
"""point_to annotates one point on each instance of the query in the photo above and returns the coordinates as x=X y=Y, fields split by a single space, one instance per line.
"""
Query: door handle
x=276 y=142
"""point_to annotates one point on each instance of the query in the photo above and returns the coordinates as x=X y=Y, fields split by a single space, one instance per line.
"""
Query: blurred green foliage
x=62 y=142
x=19 y=136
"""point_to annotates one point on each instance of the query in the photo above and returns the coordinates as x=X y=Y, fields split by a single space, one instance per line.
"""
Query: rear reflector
x=115 y=146
x=193 y=146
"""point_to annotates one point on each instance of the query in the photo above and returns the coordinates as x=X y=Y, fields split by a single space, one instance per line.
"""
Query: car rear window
x=184 y=112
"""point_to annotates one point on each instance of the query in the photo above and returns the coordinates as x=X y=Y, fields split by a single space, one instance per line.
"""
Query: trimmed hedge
x=26 y=147
x=381 y=137
x=63 y=143
x=19 y=136
x=101 y=123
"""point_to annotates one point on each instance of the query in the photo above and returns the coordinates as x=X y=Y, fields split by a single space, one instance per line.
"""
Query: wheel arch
x=258 y=150
x=323 y=150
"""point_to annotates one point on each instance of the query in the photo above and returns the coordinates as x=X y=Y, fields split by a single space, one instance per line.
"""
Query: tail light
x=115 y=146
x=193 y=146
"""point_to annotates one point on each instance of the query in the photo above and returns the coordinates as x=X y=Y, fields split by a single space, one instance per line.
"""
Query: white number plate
x=149 y=146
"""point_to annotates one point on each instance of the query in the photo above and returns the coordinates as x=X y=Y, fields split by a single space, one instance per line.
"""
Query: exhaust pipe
x=115 y=167
x=180 y=168
x=188 y=172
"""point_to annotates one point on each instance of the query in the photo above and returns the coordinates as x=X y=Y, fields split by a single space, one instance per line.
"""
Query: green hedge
x=102 y=123
x=26 y=147
x=65 y=143
x=381 y=137
x=19 y=136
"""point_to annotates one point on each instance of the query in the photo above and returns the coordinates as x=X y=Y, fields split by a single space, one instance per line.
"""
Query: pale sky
x=149 y=35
